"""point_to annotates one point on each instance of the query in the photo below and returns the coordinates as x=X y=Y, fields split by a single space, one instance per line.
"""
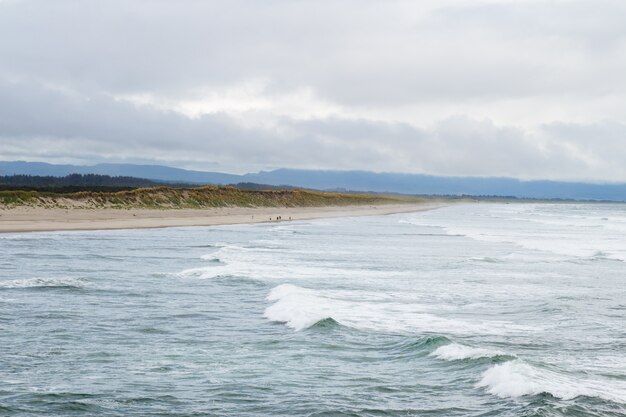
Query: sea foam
x=58 y=282
x=517 y=378
x=455 y=351
x=297 y=307
x=270 y=264
x=300 y=308
x=562 y=235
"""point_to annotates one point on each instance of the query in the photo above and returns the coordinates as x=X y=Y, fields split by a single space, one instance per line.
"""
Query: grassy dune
x=202 y=197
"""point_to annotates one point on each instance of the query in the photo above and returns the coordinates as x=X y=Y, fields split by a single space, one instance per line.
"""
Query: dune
x=22 y=211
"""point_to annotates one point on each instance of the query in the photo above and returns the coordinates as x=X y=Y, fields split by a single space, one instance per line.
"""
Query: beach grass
x=200 y=197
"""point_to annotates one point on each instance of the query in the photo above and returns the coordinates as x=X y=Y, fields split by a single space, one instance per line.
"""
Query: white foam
x=517 y=378
x=297 y=307
x=300 y=308
x=534 y=227
x=455 y=352
x=263 y=263
x=42 y=282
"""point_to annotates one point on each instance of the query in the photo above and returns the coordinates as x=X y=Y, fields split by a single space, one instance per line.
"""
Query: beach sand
x=37 y=219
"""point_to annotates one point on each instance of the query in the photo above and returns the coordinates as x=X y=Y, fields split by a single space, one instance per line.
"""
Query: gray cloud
x=55 y=124
x=357 y=52
x=529 y=89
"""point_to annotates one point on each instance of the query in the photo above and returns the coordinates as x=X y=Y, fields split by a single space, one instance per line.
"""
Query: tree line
x=73 y=183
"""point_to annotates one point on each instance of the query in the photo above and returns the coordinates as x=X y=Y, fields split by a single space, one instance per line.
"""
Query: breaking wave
x=517 y=378
x=455 y=352
x=266 y=263
x=300 y=308
x=61 y=282
x=536 y=229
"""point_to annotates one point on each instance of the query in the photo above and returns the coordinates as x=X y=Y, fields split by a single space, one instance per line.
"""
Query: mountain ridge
x=361 y=181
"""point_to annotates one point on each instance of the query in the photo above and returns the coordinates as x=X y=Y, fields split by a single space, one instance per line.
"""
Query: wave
x=488 y=259
x=604 y=256
x=201 y=272
x=563 y=235
x=420 y=345
x=212 y=258
x=32 y=236
x=61 y=282
x=327 y=323
x=429 y=341
x=267 y=263
x=455 y=352
x=517 y=378
x=297 y=307
x=300 y=308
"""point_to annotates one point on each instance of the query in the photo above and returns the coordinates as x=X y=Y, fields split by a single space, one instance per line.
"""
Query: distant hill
x=151 y=172
x=438 y=185
x=73 y=182
x=103 y=183
x=363 y=181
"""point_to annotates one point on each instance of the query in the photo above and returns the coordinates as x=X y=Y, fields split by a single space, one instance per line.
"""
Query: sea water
x=466 y=310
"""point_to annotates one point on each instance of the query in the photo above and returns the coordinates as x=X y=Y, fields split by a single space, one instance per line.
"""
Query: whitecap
x=300 y=308
x=297 y=307
x=517 y=378
x=532 y=228
x=58 y=282
x=455 y=351
x=264 y=263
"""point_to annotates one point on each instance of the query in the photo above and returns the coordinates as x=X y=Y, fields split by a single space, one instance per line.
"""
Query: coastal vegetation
x=73 y=182
x=186 y=197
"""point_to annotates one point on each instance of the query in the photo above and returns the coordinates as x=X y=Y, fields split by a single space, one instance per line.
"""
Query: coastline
x=39 y=219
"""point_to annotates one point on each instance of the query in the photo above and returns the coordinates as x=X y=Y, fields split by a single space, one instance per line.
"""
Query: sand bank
x=37 y=219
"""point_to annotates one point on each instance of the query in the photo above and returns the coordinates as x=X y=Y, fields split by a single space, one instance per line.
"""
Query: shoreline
x=37 y=219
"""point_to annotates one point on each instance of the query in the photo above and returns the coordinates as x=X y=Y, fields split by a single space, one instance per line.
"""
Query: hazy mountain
x=437 y=185
x=347 y=180
x=152 y=172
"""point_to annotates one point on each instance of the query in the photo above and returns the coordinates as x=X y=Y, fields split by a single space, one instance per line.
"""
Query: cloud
x=50 y=124
x=530 y=89
x=355 y=52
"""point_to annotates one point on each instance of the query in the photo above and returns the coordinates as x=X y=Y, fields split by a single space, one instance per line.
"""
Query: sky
x=526 y=89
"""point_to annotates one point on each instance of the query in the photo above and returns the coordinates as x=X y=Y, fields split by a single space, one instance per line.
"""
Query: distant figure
x=289 y=217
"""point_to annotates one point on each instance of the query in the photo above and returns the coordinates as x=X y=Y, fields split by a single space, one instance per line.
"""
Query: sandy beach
x=38 y=219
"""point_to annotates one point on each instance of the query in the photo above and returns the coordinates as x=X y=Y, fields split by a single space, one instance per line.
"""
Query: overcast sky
x=529 y=89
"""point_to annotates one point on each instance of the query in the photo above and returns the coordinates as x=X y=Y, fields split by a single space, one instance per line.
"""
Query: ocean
x=467 y=310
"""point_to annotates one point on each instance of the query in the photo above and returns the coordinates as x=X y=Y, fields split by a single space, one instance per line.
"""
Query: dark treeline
x=100 y=183
x=105 y=183
x=74 y=183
